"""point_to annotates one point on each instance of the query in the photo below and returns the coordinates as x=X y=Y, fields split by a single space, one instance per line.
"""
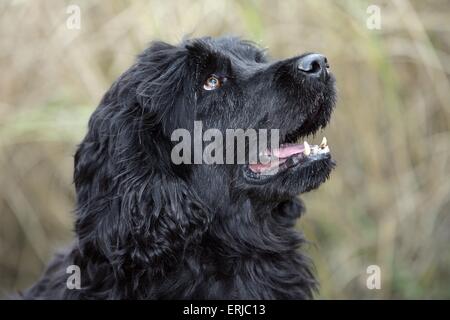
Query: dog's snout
x=313 y=64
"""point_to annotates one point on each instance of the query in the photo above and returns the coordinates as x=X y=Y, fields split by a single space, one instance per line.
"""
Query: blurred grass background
x=387 y=202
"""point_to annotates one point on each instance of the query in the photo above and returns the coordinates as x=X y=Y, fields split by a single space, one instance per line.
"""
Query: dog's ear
x=165 y=75
x=132 y=209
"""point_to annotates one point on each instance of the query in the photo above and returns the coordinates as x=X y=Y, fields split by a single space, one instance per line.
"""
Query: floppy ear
x=131 y=206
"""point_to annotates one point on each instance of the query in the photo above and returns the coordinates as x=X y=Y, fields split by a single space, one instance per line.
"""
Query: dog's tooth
x=323 y=144
x=307 y=150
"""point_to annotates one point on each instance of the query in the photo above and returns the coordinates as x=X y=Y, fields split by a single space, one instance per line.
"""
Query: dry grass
x=387 y=203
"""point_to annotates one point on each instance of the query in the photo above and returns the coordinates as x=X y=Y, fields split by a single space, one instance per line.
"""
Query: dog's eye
x=212 y=83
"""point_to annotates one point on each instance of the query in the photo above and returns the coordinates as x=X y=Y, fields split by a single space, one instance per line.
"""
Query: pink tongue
x=288 y=150
x=281 y=153
x=260 y=167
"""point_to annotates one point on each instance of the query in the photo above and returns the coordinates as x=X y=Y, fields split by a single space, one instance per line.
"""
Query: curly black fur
x=149 y=229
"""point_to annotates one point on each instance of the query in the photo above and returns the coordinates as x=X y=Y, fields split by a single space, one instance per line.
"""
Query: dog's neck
x=260 y=225
x=243 y=221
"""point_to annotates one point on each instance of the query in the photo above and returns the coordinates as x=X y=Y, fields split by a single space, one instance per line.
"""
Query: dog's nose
x=314 y=65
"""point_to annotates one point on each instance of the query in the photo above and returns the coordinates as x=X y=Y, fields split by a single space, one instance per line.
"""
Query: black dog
x=149 y=229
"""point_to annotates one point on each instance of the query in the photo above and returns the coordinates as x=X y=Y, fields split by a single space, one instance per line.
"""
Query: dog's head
x=228 y=85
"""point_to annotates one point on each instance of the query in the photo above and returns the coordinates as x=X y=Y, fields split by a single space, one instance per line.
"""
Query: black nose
x=314 y=65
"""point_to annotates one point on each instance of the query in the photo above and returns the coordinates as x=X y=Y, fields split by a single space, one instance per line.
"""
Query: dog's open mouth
x=287 y=156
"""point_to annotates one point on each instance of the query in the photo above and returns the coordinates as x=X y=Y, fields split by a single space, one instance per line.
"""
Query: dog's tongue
x=283 y=152
x=261 y=167
x=286 y=151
